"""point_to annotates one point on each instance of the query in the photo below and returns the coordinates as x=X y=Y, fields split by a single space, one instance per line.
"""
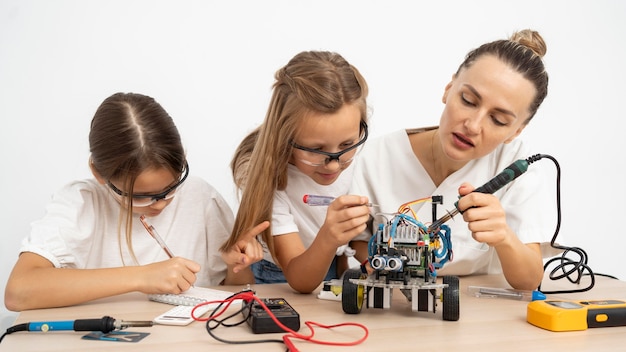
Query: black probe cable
x=572 y=270
x=213 y=323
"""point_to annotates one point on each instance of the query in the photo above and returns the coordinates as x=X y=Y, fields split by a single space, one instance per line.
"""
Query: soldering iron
x=106 y=324
x=509 y=174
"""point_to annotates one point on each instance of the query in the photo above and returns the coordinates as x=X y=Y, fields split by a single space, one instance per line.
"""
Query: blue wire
x=446 y=251
x=371 y=245
x=444 y=234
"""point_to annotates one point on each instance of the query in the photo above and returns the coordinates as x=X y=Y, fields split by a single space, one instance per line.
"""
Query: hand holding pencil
x=192 y=267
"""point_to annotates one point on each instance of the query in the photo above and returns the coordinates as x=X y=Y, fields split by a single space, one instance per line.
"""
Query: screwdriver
x=508 y=293
x=312 y=199
x=507 y=175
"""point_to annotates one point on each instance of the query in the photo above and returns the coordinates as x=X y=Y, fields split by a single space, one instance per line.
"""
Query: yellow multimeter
x=555 y=315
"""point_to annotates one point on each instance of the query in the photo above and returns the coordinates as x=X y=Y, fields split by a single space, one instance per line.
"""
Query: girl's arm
x=239 y=257
x=305 y=268
x=36 y=283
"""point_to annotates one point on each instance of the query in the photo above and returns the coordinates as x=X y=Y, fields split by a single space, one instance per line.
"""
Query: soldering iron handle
x=106 y=324
x=507 y=175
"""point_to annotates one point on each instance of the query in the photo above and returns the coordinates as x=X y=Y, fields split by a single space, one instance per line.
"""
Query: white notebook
x=192 y=297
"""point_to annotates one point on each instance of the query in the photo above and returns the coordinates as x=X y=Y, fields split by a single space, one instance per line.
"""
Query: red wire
x=246 y=296
x=249 y=296
x=309 y=324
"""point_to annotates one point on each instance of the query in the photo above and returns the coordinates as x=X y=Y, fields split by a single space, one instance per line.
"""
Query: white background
x=211 y=65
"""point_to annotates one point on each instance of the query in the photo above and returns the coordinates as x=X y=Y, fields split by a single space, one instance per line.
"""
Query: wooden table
x=485 y=324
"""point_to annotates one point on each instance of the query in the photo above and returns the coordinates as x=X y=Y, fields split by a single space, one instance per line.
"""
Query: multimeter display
x=565 y=304
x=555 y=315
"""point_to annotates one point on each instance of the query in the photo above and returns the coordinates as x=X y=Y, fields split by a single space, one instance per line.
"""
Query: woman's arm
x=521 y=263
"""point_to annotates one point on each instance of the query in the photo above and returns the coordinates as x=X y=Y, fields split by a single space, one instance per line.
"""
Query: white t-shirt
x=290 y=214
x=389 y=173
x=80 y=230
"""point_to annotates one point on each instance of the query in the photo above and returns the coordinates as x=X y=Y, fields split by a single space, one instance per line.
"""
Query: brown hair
x=523 y=51
x=131 y=133
x=312 y=81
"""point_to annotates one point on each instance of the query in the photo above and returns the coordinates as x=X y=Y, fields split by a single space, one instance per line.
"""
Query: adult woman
x=491 y=98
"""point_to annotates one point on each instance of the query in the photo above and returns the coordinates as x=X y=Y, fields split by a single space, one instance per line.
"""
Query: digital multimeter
x=555 y=315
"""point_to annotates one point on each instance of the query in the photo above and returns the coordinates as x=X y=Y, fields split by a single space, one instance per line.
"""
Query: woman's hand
x=485 y=217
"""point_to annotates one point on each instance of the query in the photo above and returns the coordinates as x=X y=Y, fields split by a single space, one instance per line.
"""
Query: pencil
x=153 y=232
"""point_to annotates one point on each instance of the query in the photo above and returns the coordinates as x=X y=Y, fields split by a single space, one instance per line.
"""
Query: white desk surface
x=485 y=325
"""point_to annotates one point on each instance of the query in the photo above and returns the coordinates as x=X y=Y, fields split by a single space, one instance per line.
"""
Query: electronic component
x=260 y=320
x=556 y=315
x=331 y=290
x=404 y=256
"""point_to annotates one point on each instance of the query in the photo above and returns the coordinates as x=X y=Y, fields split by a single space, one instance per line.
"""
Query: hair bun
x=530 y=39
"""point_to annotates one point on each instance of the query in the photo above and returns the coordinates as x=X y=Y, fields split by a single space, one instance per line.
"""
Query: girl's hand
x=346 y=218
x=174 y=275
x=485 y=217
x=247 y=250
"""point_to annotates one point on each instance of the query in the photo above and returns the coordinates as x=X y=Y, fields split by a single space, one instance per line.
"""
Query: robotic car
x=404 y=255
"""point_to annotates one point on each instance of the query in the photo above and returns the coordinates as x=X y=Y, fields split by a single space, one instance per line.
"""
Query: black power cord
x=571 y=269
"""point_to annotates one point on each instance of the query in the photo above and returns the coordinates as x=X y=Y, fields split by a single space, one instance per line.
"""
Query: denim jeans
x=266 y=272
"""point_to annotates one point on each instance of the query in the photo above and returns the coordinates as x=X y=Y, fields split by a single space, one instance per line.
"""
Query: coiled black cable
x=566 y=267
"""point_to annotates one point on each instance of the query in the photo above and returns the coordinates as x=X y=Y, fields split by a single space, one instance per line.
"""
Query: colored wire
x=446 y=252
x=407 y=206
x=371 y=244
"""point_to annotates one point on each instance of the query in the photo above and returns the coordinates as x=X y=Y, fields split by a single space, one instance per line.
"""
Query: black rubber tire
x=352 y=295
x=450 y=298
